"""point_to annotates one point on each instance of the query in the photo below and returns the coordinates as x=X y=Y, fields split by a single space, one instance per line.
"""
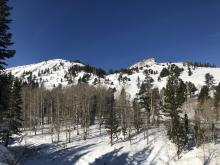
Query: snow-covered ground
x=96 y=150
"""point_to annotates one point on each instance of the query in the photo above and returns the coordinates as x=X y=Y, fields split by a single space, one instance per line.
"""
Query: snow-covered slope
x=143 y=63
x=51 y=73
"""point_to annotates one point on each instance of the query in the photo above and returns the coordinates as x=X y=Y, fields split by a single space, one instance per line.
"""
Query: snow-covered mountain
x=143 y=63
x=53 y=73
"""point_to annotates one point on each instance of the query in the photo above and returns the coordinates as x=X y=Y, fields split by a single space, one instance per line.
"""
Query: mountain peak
x=144 y=62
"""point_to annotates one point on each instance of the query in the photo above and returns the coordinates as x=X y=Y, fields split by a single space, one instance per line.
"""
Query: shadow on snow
x=50 y=154
x=116 y=158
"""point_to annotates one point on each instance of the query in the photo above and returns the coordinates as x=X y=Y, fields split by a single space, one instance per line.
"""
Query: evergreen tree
x=111 y=120
x=138 y=82
x=189 y=71
x=5 y=88
x=204 y=94
x=174 y=69
x=186 y=121
x=5 y=36
x=10 y=107
x=145 y=95
x=216 y=100
x=209 y=80
x=15 y=110
x=16 y=106
x=5 y=80
x=5 y=106
x=191 y=89
x=175 y=95
x=164 y=72
x=186 y=124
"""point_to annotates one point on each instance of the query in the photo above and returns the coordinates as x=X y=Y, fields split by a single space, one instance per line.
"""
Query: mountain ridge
x=56 y=72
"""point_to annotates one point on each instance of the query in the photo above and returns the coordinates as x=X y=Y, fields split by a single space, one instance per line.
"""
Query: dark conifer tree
x=186 y=124
x=10 y=107
x=191 y=89
x=209 y=80
x=189 y=71
x=186 y=121
x=216 y=100
x=5 y=106
x=16 y=115
x=175 y=95
x=204 y=94
x=4 y=93
x=145 y=95
x=138 y=82
x=164 y=72
x=5 y=35
x=5 y=80
x=111 y=119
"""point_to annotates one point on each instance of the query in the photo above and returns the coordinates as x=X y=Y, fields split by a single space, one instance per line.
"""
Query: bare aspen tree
x=146 y=127
x=68 y=116
x=130 y=123
x=155 y=105
x=137 y=119
x=51 y=119
x=122 y=106
x=24 y=107
x=101 y=106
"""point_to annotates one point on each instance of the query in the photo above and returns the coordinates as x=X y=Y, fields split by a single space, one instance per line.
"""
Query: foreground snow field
x=96 y=150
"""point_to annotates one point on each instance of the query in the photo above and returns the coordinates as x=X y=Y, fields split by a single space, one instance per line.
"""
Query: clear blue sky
x=115 y=33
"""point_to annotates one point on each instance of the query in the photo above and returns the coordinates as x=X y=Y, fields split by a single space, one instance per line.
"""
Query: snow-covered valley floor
x=96 y=150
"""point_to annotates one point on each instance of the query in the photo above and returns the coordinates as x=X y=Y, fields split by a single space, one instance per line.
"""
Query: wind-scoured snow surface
x=96 y=150
x=58 y=68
